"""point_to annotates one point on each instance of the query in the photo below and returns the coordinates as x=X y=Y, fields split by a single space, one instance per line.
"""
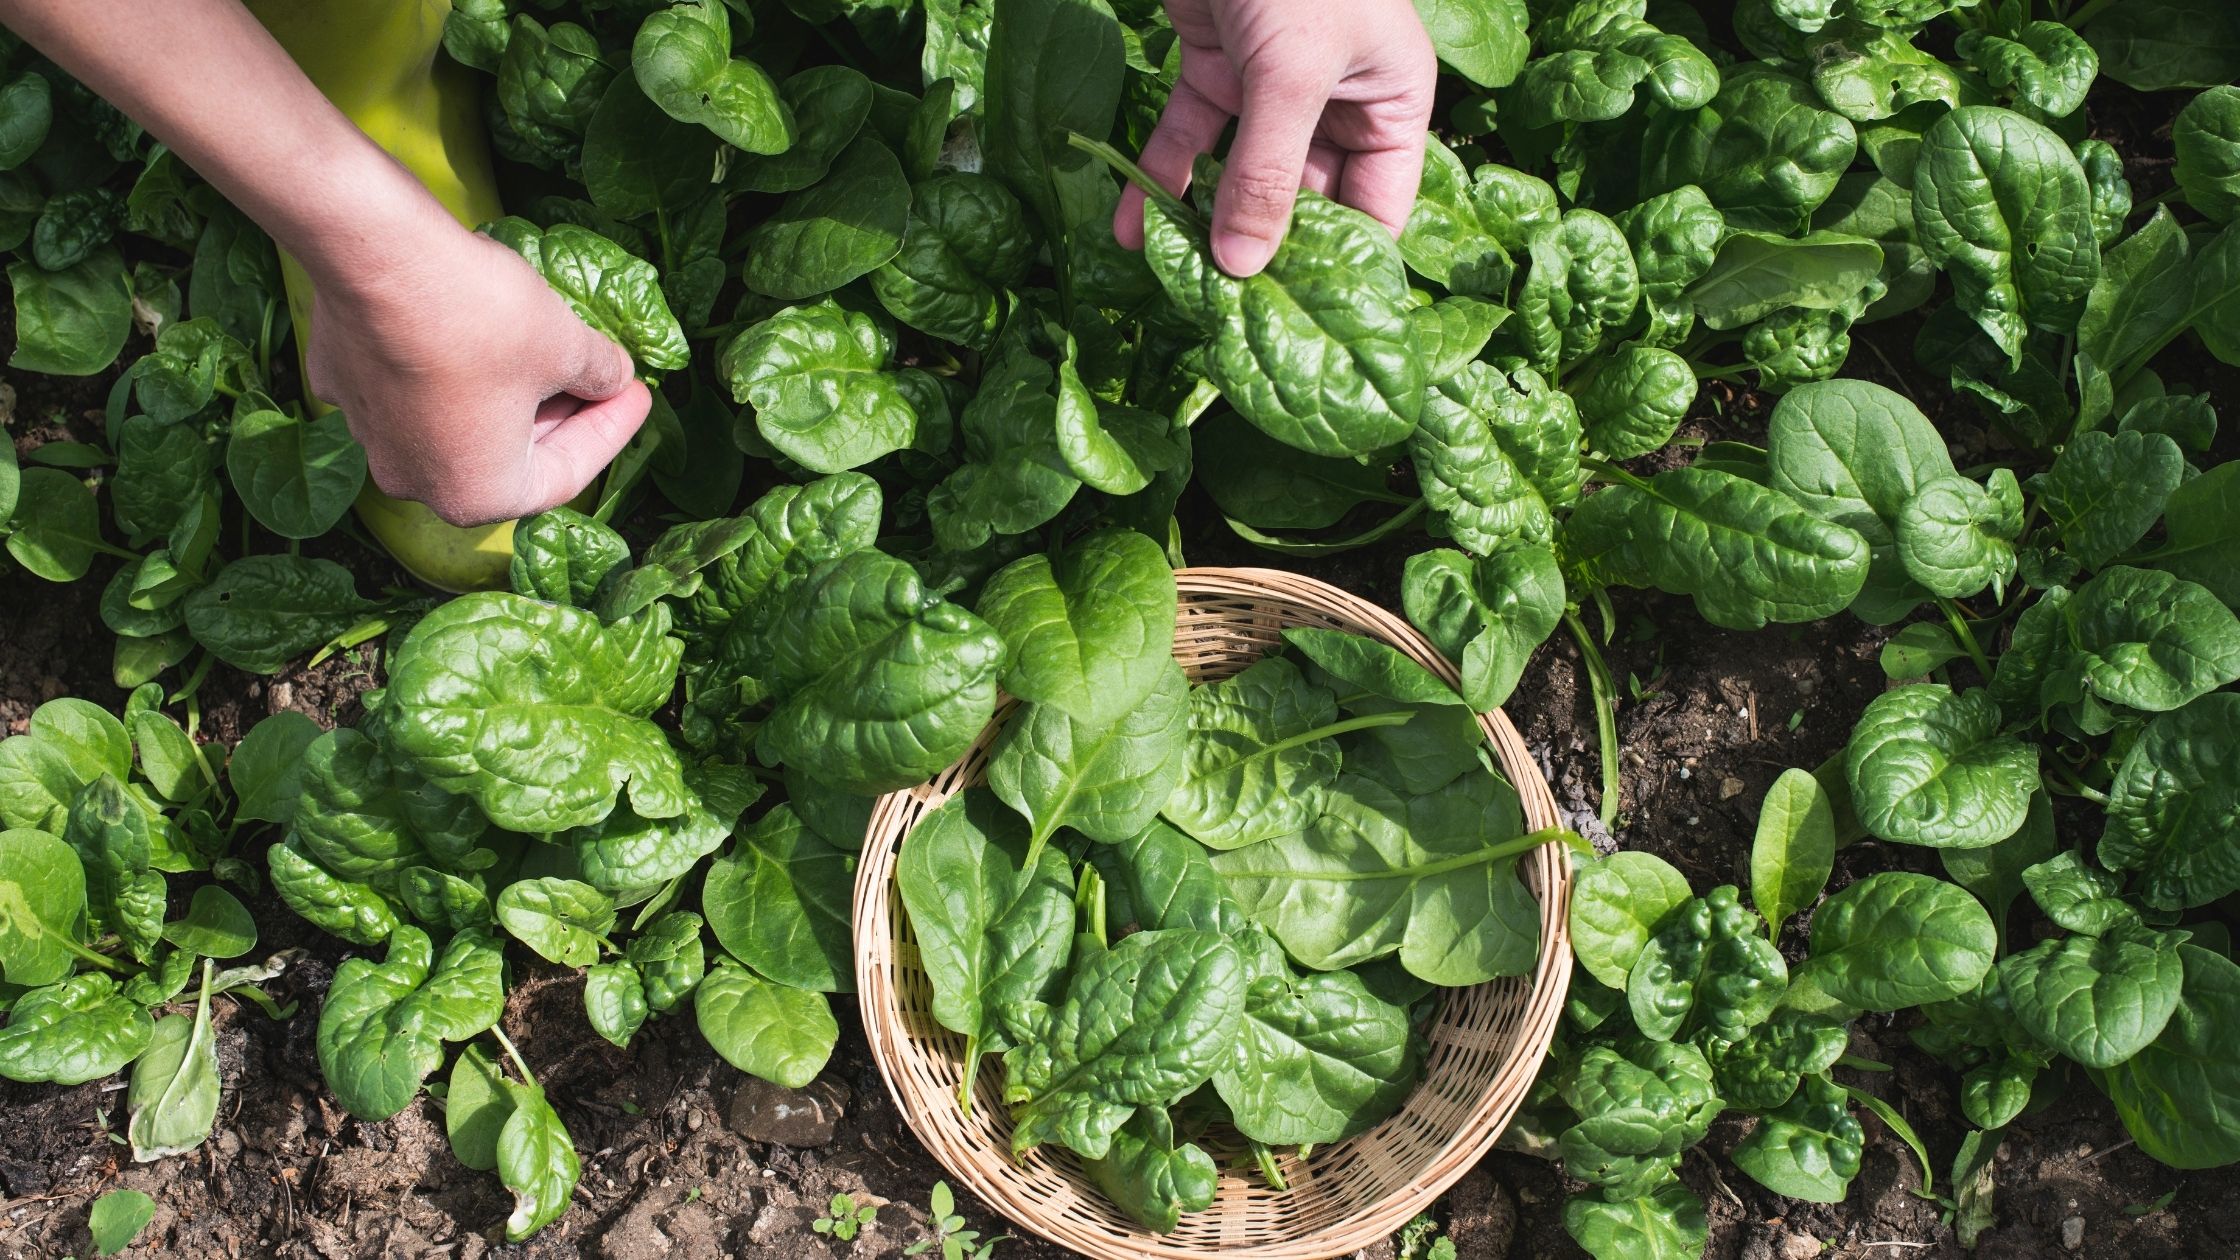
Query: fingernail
x=1241 y=255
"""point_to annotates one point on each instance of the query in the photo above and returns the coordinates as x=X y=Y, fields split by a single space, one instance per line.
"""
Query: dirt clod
x=763 y=1112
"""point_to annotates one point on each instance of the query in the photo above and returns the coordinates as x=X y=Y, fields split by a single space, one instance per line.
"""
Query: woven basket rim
x=941 y=1126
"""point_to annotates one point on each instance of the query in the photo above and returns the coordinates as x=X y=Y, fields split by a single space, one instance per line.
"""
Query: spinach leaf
x=1490 y=614
x=2002 y=205
x=1748 y=555
x=1108 y=782
x=816 y=378
x=993 y=929
x=1261 y=753
x=1315 y=349
x=297 y=477
x=1319 y=1058
x=845 y=227
x=603 y=284
x=355 y=912
x=2097 y=999
x=539 y=712
x=536 y=1160
x=882 y=681
x=2178 y=1096
x=71 y=322
x=566 y=921
x=383 y=1026
x=964 y=246
x=682 y=60
x=1794 y=848
x=1141 y=1024
x=1152 y=1177
x=1617 y=904
x=261 y=612
x=173 y=1098
x=1090 y=631
x=1707 y=970
x=624 y=852
x=42 y=905
x=1927 y=766
x=1895 y=940
x=1809 y=1148
x=2206 y=136
x=2164 y=807
x=1855 y=454
x=1432 y=878
x=779 y=902
x=2105 y=491
x=783 y=1035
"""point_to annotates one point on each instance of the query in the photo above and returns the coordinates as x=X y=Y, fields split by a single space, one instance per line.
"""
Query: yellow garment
x=380 y=62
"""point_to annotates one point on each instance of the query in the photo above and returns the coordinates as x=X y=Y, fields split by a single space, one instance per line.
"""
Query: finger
x=572 y=452
x=591 y=365
x=1381 y=183
x=1282 y=104
x=1188 y=126
x=1326 y=168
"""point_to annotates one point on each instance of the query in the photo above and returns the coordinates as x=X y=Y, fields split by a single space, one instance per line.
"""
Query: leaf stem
x=1897 y=1123
x=1264 y=1156
x=1136 y=175
x=1967 y=637
x=1604 y=688
x=513 y=1052
x=1516 y=846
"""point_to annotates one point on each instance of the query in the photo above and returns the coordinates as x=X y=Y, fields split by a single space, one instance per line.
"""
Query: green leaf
x=670 y=958
x=780 y=1034
x=2207 y=138
x=1748 y=555
x=1617 y=904
x=355 y=912
x=637 y=159
x=1260 y=755
x=1763 y=150
x=1494 y=460
x=2136 y=637
x=42 y=908
x=1636 y=401
x=843 y=228
x=883 y=682
x=74 y=321
x=1490 y=614
x=564 y=920
x=1927 y=766
x=1366 y=665
x=79 y=1030
x=828 y=105
x=1955 y=537
x=1262 y=482
x=1794 y=849
x=57 y=527
x=780 y=902
x=624 y=852
x=2153 y=45
x=365 y=816
x=1151 y=1177
x=1854 y=454
x=487 y=676
x=2167 y=807
x=475 y=1109
x=1106 y=782
x=964 y=246
x=2107 y=489
x=1708 y=970
x=2046 y=66
x=2201 y=533
x=603 y=284
x=1758 y=273
x=614 y=1000
x=1315 y=349
x=2001 y=204
x=1090 y=631
x=536 y=1160
x=672 y=566
x=117 y=1219
x=2178 y=1097
x=682 y=59
x=382 y=1028
x=1579 y=287
x=1483 y=42
x=1053 y=66
x=173 y=1099
x=1142 y=1023
x=68 y=744
x=1896 y=939
x=1809 y=1149
x=992 y=930
x=563 y=556
x=1319 y=1057
x=1995 y=874
x=1665 y=1224
x=1433 y=878
x=217 y=925
x=261 y=612
x=115 y=841
x=297 y=477
x=2097 y=999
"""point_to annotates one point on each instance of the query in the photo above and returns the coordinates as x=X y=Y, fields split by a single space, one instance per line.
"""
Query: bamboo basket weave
x=1485 y=1046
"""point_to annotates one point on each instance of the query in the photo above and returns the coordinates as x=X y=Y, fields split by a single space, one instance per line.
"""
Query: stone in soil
x=763 y=1112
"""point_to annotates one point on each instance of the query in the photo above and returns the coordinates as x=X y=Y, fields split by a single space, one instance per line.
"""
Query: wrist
x=362 y=226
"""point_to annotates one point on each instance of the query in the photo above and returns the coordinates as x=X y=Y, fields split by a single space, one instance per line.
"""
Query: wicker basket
x=1485 y=1047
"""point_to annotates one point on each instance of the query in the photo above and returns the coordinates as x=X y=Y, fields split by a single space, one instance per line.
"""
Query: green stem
x=513 y=1052
x=2090 y=11
x=1514 y=847
x=1604 y=688
x=1967 y=637
x=2075 y=786
x=1201 y=396
x=1134 y=174
x=1269 y=1171
x=1898 y=1125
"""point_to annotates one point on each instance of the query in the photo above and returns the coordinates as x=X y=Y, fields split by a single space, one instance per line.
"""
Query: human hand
x=1332 y=97
x=472 y=386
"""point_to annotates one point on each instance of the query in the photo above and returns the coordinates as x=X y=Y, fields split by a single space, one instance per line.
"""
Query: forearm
x=206 y=79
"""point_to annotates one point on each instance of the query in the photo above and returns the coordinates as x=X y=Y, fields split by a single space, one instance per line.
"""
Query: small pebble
x=1693 y=820
x=693 y=1120
x=1686 y=773
x=2072 y=1233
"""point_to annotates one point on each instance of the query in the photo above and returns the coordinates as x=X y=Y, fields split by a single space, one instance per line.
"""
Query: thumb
x=570 y=454
x=592 y=366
